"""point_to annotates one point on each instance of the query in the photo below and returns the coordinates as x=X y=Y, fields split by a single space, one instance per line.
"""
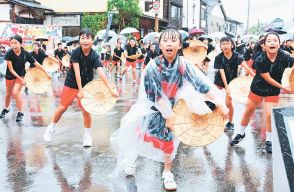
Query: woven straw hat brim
x=66 y=60
x=97 y=99
x=37 y=81
x=51 y=64
x=291 y=80
x=240 y=88
x=197 y=130
x=197 y=55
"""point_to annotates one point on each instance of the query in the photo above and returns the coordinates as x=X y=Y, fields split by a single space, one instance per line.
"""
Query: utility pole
x=156 y=23
x=248 y=15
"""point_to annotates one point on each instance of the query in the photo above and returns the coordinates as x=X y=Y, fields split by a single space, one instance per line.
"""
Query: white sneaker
x=48 y=134
x=87 y=140
x=168 y=181
x=130 y=169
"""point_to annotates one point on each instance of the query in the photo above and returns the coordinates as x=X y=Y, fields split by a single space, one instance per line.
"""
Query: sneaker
x=130 y=169
x=87 y=140
x=3 y=113
x=168 y=181
x=268 y=146
x=134 y=82
x=237 y=139
x=229 y=126
x=48 y=134
x=19 y=117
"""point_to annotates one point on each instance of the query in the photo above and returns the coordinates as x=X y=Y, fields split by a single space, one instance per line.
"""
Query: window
x=203 y=12
x=175 y=11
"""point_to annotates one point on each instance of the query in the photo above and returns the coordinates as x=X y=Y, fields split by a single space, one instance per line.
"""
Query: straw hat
x=212 y=55
x=97 y=98
x=66 y=60
x=197 y=130
x=37 y=81
x=197 y=55
x=51 y=64
x=286 y=77
x=291 y=79
x=240 y=88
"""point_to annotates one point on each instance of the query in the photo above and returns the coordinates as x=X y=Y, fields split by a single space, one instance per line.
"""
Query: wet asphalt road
x=28 y=164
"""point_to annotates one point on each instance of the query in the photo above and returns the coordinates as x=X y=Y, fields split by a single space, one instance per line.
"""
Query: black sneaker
x=19 y=116
x=229 y=126
x=237 y=139
x=268 y=146
x=3 y=113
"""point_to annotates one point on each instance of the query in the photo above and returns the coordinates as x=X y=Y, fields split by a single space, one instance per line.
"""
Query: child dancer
x=16 y=58
x=266 y=85
x=83 y=60
x=151 y=54
x=116 y=58
x=147 y=128
x=131 y=50
x=107 y=60
x=227 y=64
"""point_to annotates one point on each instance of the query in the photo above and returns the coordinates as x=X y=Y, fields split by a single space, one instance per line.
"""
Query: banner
x=30 y=32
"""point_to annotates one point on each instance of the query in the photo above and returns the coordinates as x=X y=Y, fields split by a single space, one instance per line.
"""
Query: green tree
x=127 y=13
x=257 y=29
x=94 y=22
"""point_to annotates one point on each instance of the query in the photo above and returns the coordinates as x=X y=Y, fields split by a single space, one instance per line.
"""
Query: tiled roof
x=30 y=3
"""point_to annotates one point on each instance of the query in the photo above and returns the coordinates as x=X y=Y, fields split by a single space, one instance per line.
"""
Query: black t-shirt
x=230 y=67
x=58 y=53
x=118 y=53
x=108 y=55
x=131 y=51
x=86 y=64
x=143 y=51
x=257 y=50
x=18 y=63
x=261 y=87
x=150 y=55
x=248 y=54
x=39 y=57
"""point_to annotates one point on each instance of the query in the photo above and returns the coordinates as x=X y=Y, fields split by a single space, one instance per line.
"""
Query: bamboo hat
x=97 y=98
x=66 y=60
x=51 y=64
x=197 y=130
x=195 y=55
x=240 y=88
x=37 y=81
x=291 y=80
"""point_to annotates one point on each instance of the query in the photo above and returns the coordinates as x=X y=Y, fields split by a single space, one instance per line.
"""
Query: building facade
x=69 y=15
x=191 y=14
x=23 y=11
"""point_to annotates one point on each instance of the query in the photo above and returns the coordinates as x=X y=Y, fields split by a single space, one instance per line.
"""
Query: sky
x=263 y=10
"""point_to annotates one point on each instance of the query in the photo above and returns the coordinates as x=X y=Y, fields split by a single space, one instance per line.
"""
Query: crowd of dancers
x=146 y=129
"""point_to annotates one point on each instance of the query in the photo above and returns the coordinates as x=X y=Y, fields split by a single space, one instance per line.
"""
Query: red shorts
x=11 y=83
x=68 y=95
x=258 y=99
x=140 y=60
x=106 y=62
x=116 y=62
x=129 y=63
